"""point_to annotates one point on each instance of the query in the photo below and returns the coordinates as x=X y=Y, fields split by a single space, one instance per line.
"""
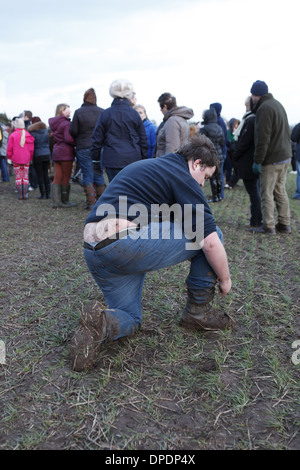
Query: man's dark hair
x=28 y=114
x=200 y=146
x=168 y=100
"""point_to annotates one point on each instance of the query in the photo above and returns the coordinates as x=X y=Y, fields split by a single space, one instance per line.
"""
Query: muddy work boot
x=88 y=337
x=202 y=316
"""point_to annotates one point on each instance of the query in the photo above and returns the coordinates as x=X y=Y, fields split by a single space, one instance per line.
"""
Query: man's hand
x=224 y=286
x=256 y=168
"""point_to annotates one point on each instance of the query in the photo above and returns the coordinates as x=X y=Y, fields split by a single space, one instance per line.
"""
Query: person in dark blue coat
x=119 y=132
x=153 y=214
x=41 y=155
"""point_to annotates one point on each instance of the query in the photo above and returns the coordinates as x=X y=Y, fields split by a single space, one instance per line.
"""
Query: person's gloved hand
x=256 y=168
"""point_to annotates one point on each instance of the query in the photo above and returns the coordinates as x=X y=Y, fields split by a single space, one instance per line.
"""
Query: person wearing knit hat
x=82 y=127
x=20 y=151
x=259 y=88
x=119 y=135
x=272 y=157
x=121 y=89
x=20 y=124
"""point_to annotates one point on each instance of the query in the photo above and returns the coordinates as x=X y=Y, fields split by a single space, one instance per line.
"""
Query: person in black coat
x=82 y=127
x=242 y=157
x=214 y=132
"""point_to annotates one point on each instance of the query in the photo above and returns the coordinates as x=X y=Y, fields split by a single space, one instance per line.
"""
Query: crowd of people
x=101 y=141
x=146 y=166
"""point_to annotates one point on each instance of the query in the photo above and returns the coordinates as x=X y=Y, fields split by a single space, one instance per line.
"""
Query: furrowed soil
x=165 y=388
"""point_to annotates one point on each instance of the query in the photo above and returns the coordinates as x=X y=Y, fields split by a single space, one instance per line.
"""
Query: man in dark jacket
x=272 y=157
x=121 y=247
x=119 y=131
x=242 y=157
x=82 y=127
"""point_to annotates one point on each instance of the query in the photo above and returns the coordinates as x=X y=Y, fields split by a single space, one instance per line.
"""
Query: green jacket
x=272 y=133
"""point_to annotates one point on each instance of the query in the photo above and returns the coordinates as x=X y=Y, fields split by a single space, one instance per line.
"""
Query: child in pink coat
x=20 y=148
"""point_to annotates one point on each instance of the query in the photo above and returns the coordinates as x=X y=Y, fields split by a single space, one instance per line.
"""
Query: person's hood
x=55 y=122
x=37 y=126
x=181 y=111
x=217 y=107
x=210 y=116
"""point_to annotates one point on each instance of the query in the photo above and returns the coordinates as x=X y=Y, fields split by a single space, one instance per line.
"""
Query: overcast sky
x=199 y=50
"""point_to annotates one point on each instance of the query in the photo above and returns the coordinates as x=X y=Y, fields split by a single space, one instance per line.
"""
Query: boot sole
x=88 y=337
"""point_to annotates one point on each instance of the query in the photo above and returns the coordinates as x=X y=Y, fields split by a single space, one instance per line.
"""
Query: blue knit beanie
x=259 y=88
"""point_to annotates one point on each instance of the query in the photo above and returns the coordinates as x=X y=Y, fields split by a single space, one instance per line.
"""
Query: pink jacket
x=16 y=153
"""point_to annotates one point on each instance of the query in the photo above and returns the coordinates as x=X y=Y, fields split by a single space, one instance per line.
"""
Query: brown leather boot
x=283 y=228
x=100 y=190
x=202 y=316
x=90 y=196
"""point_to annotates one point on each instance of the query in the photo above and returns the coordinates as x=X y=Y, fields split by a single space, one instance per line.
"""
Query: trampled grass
x=164 y=388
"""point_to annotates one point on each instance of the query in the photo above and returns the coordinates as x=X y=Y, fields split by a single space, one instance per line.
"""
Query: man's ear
x=196 y=163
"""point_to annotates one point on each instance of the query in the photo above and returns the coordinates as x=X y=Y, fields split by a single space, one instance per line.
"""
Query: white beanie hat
x=19 y=124
x=121 y=89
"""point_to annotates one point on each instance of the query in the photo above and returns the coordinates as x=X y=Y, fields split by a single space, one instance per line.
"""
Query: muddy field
x=164 y=388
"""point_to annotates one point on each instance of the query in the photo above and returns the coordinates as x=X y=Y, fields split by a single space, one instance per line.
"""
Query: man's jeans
x=89 y=176
x=4 y=169
x=272 y=189
x=297 y=193
x=120 y=268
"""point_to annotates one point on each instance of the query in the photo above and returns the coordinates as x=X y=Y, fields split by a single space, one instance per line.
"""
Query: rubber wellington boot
x=88 y=337
x=25 y=188
x=65 y=194
x=202 y=316
x=20 y=191
x=56 y=196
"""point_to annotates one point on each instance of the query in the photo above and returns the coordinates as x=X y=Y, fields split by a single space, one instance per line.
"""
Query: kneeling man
x=152 y=215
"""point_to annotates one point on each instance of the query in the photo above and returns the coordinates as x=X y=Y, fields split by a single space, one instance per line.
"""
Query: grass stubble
x=164 y=388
